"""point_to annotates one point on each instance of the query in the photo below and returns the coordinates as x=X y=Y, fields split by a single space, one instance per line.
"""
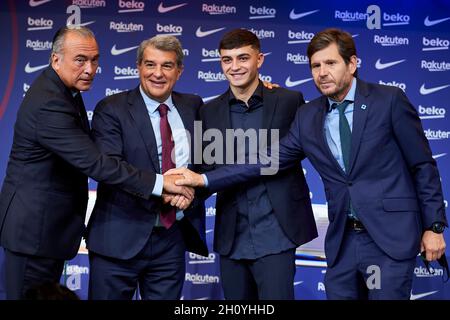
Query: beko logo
x=389 y=19
x=210 y=211
x=387 y=41
x=198 y=259
x=214 y=9
x=87 y=4
x=297 y=58
x=125 y=73
x=435 y=66
x=125 y=27
x=110 y=91
x=196 y=278
x=436 y=134
x=299 y=37
x=210 y=55
x=435 y=44
x=209 y=76
x=39 y=24
x=38 y=45
x=131 y=6
x=347 y=16
x=261 y=13
x=263 y=34
x=266 y=78
x=169 y=29
x=400 y=85
x=431 y=112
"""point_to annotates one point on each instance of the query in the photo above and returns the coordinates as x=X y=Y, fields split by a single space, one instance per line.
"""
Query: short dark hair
x=343 y=40
x=239 y=38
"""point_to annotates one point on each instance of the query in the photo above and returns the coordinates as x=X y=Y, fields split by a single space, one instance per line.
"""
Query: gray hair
x=163 y=43
x=60 y=36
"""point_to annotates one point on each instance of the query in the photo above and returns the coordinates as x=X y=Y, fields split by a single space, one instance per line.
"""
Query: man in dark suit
x=129 y=243
x=44 y=195
x=258 y=225
x=385 y=202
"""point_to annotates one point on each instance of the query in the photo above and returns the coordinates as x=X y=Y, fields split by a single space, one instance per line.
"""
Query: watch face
x=437 y=227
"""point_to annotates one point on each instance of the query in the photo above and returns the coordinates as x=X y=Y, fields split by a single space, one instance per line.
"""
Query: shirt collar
x=152 y=105
x=350 y=95
x=257 y=94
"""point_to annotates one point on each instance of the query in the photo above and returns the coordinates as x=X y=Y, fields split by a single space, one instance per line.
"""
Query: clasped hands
x=178 y=187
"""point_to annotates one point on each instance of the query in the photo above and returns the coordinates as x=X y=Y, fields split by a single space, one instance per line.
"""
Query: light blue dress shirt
x=332 y=124
x=179 y=135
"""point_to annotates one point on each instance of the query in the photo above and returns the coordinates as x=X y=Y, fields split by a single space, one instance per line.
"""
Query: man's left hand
x=433 y=244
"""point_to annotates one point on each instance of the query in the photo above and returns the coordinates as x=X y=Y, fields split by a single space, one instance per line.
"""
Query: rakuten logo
x=38 y=45
x=125 y=27
x=263 y=34
x=39 y=24
x=297 y=58
x=209 y=76
x=387 y=41
x=400 y=85
x=299 y=37
x=196 y=278
x=110 y=91
x=125 y=73
x=347 y=16
x=435 y=44
x=422 y=272
x=88 y=4
x=436 y=134
x=431 y=112
x=214 y=9
x=169 y=29
x=131 y=6
x=261 y=13
x=434 y=66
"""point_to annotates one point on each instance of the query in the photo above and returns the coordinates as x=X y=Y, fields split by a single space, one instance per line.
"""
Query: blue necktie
x=345 y=133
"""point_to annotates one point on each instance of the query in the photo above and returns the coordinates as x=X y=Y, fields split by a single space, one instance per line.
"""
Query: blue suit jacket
x=121 y=224
x=393 y=182
x=44 y=195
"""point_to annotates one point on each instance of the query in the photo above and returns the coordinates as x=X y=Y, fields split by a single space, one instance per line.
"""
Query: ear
x=180 y=71
x=353 y=64
x=56 y=59
x=260 y=59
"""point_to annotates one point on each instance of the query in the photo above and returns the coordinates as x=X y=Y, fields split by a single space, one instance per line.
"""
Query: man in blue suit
x=130 y=242
x=385 y=202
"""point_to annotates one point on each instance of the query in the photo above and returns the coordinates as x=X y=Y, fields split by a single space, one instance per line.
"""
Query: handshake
x=178 y=187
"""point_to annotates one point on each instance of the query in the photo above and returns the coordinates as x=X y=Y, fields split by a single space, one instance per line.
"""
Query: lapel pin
x=363 y=107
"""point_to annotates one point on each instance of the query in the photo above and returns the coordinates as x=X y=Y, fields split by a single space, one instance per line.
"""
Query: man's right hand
x=169 y=186
x=190 y=178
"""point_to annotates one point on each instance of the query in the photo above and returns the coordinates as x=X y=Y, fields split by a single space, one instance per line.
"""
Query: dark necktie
x=345 y=134
x=168 y=213
x=82 y=112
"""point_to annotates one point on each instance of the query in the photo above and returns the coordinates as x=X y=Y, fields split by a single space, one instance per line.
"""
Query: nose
x=235 y=64
x=157 y=71
x=323 y=70
x=90 y=67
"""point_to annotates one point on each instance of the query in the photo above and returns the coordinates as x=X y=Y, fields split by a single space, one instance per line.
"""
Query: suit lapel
x=139 y=113
x=360 y=112
x=223 y=113
x=270 y=100
x=187 y=115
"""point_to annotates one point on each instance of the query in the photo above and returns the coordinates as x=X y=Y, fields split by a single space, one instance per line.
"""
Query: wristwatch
x=437 y=227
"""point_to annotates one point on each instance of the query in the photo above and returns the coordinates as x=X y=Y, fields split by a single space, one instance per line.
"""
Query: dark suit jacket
x=44 y=196
x=292 y=209
x=121 y=224
x=393 y=182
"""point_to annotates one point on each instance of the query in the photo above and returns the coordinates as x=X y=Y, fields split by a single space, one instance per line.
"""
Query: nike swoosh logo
x=30 y=69
x=209 y=231
x=199 y=33
x=427 y=22
x=295 y=16
x=439 y=155
x=421 y=295
x=162 y=9
x=296 y=283
x=290 y=83
x=206 y=99
x=116 y=52
x=35 y=3
x=81 y=24
x=425 y=91
x=381 y=66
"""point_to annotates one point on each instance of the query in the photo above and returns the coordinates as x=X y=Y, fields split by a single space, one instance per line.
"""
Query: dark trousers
x=268 y=278
x=363 y=271
x=27 y=271
x=157 y=270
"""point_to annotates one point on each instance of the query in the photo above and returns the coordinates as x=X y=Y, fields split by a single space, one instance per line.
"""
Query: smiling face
x=77 y=62
x=331 y=75
x=241 y=65
x=158 y=73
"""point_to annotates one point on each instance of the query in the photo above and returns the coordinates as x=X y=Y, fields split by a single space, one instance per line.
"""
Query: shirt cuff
x=159 y=183
x=205 y=180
